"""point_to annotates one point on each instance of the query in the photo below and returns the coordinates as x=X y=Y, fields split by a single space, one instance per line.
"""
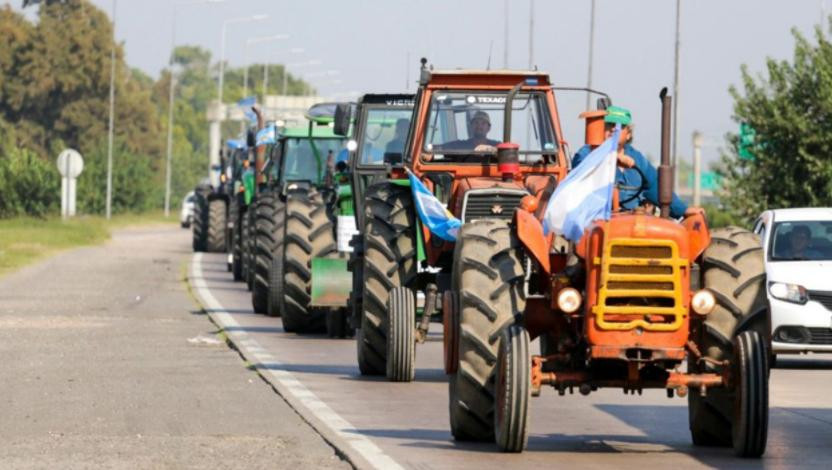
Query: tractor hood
x=478 y=198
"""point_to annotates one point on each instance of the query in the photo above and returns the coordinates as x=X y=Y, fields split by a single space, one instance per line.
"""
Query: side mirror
x=341 y=124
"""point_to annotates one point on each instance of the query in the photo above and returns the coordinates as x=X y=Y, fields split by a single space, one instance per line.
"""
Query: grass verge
x=24 y=240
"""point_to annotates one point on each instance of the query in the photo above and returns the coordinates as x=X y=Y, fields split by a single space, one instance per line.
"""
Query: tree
x=790 y=111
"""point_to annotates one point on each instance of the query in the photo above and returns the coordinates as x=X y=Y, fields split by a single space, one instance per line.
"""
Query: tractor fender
x=698 y=235
x=530 y=234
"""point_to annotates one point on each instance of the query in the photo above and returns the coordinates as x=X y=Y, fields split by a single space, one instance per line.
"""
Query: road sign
x=710 y=181
x=70 y=165
x=746 y=141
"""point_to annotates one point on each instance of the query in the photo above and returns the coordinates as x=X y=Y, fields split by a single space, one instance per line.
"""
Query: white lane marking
x=286 y=381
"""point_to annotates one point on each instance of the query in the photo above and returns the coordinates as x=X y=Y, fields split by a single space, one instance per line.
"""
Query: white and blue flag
x=433 y=213
x=266 y=135
x=585 y=195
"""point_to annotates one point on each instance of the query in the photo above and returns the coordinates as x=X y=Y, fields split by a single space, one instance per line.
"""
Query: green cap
x=618 y=115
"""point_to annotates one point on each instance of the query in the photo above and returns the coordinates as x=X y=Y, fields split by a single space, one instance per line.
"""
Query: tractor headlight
x=789 y=292
x=703 y=302
x=569 y=300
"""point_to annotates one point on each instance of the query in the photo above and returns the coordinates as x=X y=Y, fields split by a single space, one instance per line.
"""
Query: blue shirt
x=631 y=179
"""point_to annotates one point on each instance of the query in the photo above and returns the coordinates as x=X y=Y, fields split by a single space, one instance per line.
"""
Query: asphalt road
x=108 y=362
x=384 y=425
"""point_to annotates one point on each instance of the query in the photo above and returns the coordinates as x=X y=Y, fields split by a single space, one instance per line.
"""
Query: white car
x=797 y=244
x=186 y=215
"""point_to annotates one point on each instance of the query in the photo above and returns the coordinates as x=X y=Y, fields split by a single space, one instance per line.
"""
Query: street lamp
x=249 y=42
x=308 y=63
x=294 y=50
x=171 y=97
x=109 y=202
x=244 y=19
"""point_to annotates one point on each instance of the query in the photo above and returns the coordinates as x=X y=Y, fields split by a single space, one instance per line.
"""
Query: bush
x=29 y=185
x=134 y=184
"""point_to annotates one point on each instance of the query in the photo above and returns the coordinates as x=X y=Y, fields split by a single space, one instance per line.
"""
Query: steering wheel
x=637 y=191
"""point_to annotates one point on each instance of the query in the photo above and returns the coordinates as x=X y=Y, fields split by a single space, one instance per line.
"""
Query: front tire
x=389 y=261
x=750 y=430
x=488 y=278
x=401 y=341
x=513 y=390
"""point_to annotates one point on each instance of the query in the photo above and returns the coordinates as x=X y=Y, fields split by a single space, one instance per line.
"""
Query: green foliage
x=790 y=111
x=134 y=188
x=54 y=94
x=28 y=184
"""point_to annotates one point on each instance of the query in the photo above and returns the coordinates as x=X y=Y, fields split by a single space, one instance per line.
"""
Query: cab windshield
x=801 y=241
x=467 y=126
x=305 y=159
x=386 y=132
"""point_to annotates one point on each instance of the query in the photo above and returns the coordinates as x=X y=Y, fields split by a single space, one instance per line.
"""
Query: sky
x=375 y=46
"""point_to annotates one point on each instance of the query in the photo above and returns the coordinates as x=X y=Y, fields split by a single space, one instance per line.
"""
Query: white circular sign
x=70 y=163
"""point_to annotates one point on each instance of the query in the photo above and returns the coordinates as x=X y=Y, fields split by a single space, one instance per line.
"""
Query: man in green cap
x=631 y=166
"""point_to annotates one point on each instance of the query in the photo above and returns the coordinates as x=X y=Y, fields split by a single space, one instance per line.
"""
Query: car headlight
x=788 y=292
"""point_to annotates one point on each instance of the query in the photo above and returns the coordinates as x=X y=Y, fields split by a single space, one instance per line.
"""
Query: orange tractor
x=641 y=301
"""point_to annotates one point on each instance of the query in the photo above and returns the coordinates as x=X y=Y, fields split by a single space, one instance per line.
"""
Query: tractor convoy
x=379 y=218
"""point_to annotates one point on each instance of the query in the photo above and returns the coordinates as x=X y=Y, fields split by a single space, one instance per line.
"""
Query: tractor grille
x=490 y=204
x=640 y=286
x=823 y=297
x=821 y=336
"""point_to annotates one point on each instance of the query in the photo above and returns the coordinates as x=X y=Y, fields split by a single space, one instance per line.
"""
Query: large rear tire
x=244 y=246
x=217 y=225
x=513 y=390
x=266 y=230
x=200 y=222
x=488 y=279
x=237 y=244
x=389 y=261
x=309 y=234
x=401 y=341
x=734 y=272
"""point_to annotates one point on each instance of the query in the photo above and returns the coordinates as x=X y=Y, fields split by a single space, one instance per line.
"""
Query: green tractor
x=211 y=201
x=293 y=219
x=241 y=193
x=379 y=124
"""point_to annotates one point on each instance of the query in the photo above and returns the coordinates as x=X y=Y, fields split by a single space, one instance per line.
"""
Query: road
x=108 y=362
x=384 y=425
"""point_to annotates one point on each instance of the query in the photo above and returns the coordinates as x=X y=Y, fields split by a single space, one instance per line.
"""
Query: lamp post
x=294 y=50
x=171 y=98
x=109 y=202
x=307 y=63
x=217 y=113
x=698 y=141
x=249 y=42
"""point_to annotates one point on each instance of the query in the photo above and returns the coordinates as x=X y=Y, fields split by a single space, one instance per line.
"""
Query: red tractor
x=641 y=301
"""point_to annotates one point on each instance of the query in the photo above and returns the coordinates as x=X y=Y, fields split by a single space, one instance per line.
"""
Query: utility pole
x=109 y=203
x=531 y=34
x=698 y=140
x=591 y=50
x=505 y=34
x=676 y=97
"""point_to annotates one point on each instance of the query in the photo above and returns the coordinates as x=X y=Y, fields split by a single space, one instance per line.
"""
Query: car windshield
x=305 y=159
x=386 y=132
x=467 y=126
x=801 y=241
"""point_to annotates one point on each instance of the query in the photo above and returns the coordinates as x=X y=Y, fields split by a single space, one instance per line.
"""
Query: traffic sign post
x=70 y=165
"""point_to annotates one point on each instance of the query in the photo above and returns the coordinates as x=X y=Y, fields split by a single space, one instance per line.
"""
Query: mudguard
x=530 y=234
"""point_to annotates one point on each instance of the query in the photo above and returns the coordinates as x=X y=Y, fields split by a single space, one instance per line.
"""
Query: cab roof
x=318 y=132
x=500 y=77
x=802 y=214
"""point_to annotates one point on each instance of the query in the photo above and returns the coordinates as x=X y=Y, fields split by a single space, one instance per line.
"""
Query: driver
x=629 y=158
x=480 y=125
x=800 y=237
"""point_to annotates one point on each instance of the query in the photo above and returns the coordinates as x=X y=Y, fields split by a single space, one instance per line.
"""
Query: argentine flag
x=266 y=136
x=433 y=213
x=586 y=193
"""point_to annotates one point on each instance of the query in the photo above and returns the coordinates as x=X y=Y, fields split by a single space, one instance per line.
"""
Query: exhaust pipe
x=665 y=168
x=508 y=153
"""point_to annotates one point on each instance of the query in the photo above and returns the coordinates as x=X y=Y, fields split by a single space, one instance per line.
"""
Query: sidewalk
x=108 y=363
